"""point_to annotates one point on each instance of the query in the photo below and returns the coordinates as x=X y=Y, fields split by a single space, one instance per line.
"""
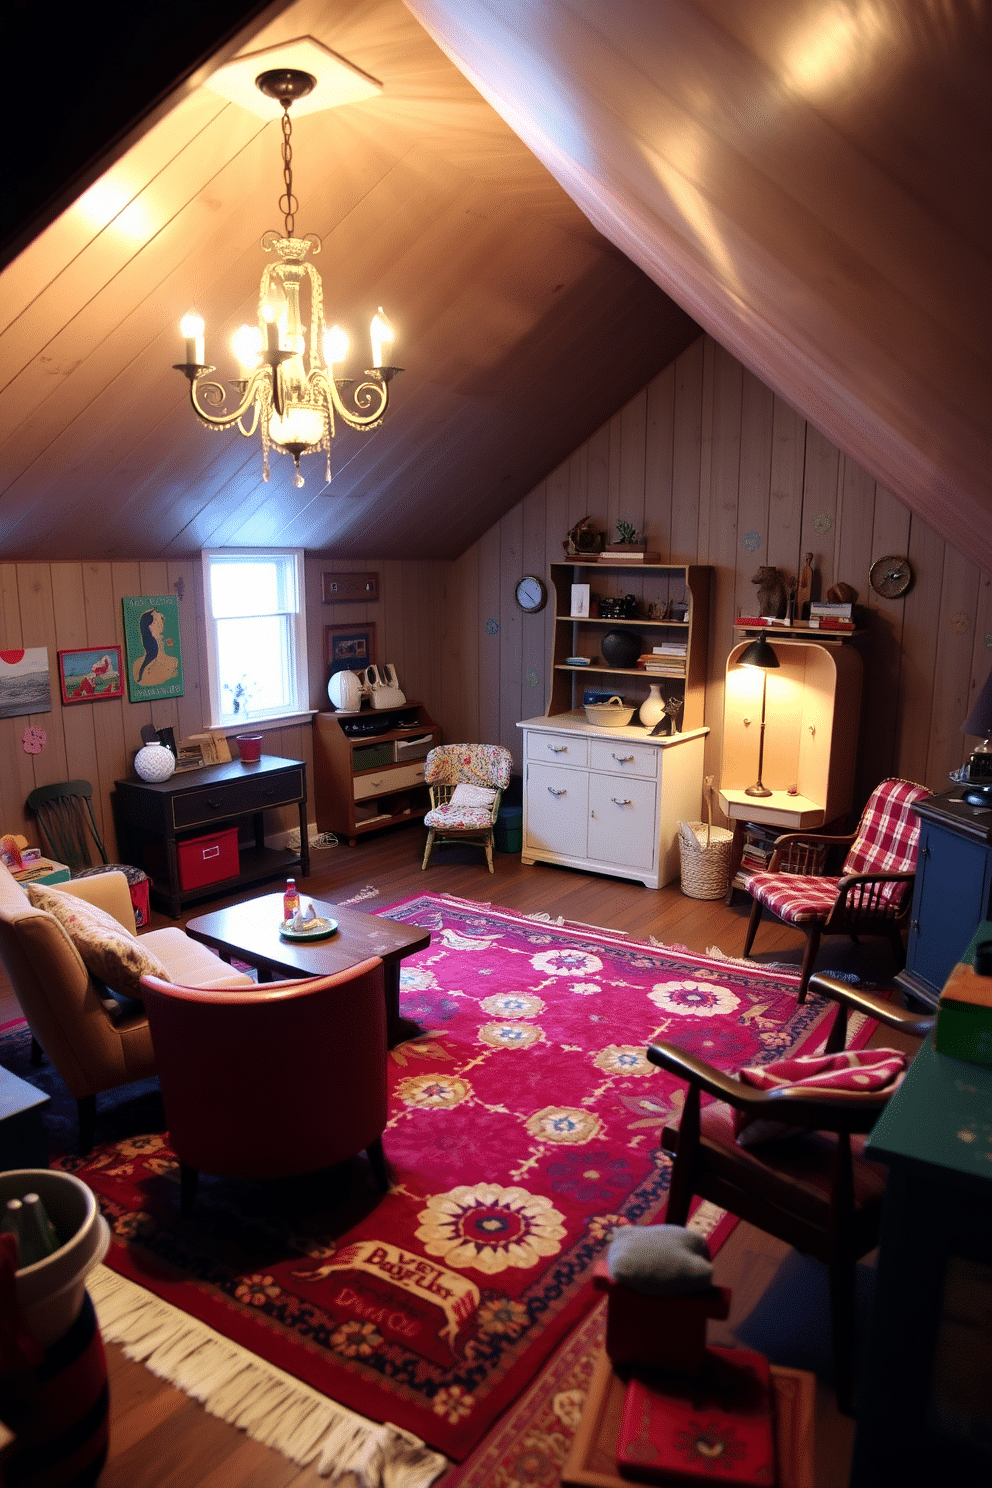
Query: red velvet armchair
x=273 y=1080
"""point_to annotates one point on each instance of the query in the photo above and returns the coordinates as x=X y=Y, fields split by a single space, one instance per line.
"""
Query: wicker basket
x=704 y=852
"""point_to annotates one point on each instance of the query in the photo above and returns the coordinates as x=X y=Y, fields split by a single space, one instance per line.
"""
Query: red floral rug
x=523 y=1130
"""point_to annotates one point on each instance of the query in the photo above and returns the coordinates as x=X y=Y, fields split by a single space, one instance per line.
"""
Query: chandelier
x=287 y=389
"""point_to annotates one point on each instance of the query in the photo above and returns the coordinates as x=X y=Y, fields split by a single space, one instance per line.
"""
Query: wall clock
x=530 y=594
x=890 y=576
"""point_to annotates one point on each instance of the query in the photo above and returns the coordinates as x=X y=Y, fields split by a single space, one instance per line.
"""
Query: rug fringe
x=778 y=967
x=267 y=1404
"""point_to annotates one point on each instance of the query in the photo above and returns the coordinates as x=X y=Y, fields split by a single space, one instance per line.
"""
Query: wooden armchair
x=871 y=896
x=64 y=812
x=817 y=1192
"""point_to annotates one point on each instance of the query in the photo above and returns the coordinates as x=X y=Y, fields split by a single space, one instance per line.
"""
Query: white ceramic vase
x=653 y=707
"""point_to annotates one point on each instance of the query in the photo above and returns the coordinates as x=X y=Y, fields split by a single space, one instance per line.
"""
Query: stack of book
x=668 y=659
x=616 y=553
x=827 y=616
x=759 y=843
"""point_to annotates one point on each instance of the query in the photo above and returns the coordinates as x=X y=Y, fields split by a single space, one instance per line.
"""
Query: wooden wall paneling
x=490 y=586
x=981 y=660
x=76 y=721
x=632 y=489
x=535 y=652
x=184 y=580
x=952 y=671
x=723 y=549
x=883 y=726
x=753 y=506
x=459 y=681
x=785 y=506
x=820 y=484
x=511 y=625
x=34 y=582
x=687 y=447
x=659 y=436
x=17 y=774
x=920 y=623
x=104 y=625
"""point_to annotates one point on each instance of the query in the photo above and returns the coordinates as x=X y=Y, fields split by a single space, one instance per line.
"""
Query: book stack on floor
x=759 y=844
x=667 y=660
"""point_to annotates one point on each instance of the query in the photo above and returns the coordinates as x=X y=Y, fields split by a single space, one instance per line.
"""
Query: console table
x=153 y=816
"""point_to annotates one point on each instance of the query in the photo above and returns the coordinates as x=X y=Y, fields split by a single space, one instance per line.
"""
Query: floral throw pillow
x=108 y=950
x=472 y=795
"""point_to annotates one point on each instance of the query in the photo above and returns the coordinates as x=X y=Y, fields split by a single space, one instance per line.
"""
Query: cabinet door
x=952 y=897
x=623 y=820
x=557 y=803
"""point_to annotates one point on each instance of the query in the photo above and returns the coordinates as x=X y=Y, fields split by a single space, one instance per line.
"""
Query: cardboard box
x=964 y=1016
x=208 y=860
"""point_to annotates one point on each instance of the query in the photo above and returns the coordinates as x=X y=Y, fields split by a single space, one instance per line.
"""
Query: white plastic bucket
x=50 y=1293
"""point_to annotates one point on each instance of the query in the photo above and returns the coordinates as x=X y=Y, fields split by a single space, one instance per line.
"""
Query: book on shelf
x=670 y=648
x=607 y=557
x=828 y=607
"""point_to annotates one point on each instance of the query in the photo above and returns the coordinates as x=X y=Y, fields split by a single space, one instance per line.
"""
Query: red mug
x=249 y=748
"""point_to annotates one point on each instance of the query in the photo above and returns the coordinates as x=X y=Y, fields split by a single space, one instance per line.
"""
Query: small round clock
x=890 y=576
x=530 y=594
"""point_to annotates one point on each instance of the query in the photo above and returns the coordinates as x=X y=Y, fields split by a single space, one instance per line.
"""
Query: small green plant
x=626 y=532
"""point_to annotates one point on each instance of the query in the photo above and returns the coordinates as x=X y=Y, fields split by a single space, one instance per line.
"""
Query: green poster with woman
x=151 y=640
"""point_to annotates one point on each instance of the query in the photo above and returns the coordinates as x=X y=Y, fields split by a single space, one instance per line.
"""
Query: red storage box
x=207 y=860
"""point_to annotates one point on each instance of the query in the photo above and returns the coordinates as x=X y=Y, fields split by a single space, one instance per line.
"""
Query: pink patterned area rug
x=523 y=1131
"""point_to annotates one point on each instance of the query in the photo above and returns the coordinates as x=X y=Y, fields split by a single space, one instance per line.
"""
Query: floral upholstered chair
x=874 y=892
x=466 y=784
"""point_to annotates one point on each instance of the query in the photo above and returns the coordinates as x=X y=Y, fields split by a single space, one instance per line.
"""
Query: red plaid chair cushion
x=796 y=898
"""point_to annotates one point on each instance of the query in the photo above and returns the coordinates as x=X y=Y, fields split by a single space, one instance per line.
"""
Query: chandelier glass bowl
x=287 y=390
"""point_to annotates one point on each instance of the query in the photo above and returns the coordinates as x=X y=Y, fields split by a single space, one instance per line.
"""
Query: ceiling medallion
x=287 y=389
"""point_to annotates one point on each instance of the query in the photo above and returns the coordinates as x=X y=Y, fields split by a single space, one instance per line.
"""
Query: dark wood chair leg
x=377 y=1158
x=188 y=1179
x=86 y=1108
x=812 y=946
x=37 y=1054
x=680 y=1186
x=752 y=926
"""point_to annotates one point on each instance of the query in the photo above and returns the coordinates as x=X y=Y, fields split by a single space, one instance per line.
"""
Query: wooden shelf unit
x=651 y=583
x=347 y=790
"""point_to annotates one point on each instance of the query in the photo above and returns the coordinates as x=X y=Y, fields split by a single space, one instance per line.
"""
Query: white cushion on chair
x=472 y=795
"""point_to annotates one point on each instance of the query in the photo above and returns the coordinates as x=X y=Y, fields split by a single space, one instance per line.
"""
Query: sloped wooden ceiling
x=519 y=326
x=809 y=179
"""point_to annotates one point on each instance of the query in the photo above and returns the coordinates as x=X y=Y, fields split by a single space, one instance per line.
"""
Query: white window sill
x=263 y=725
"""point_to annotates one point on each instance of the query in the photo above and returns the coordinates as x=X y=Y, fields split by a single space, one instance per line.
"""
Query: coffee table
x=250 y=932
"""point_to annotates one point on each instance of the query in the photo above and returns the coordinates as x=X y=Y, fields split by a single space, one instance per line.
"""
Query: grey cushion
x=660 y=1260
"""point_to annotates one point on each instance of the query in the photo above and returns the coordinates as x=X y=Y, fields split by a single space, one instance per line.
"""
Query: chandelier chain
x=288 y=203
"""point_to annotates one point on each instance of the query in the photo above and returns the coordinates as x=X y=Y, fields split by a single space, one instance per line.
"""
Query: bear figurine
x=771 y=592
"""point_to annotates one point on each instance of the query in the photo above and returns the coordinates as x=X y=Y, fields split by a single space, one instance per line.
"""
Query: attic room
x=721 y=277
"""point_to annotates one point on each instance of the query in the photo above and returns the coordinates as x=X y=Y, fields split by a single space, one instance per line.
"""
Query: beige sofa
x=93 y=1043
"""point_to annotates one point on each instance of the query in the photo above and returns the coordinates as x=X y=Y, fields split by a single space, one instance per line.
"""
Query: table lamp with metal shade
x=759 y=654
x=978 y=771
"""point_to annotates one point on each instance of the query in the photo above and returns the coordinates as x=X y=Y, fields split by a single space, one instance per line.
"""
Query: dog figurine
x=771 y=592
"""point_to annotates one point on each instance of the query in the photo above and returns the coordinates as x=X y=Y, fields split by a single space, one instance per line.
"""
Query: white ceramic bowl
x=613 y=714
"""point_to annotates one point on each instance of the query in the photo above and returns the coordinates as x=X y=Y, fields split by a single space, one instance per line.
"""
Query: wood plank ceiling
x=519 y=327
x=808 y=178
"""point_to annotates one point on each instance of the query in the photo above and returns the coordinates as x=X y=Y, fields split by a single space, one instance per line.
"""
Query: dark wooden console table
x=153 y=816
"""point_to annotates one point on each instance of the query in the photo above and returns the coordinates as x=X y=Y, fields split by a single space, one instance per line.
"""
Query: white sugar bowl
x=154 y=763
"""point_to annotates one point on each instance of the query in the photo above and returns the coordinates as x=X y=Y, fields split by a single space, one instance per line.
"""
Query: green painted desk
x=925 y=1398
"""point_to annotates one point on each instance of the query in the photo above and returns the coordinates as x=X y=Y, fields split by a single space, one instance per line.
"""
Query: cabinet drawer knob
x=617 y=802
x=553 y=792
x=624 y=759
x=558 y=748
x=214 y=805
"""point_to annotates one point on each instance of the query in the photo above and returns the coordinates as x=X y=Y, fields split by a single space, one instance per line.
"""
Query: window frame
x=299 y=703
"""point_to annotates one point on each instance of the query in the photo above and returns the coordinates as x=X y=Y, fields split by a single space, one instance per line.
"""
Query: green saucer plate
x=317 y=931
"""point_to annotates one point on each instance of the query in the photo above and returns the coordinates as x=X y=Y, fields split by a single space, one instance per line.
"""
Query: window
x=254 y=606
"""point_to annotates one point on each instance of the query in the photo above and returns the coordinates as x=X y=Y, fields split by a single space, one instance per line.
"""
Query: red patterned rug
x=523 y=1130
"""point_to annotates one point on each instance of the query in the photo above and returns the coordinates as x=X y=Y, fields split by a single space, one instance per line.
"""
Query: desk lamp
x=979 y=724
x=759 y=654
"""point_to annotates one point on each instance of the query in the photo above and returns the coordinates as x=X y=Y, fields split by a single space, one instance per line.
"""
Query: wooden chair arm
x=855 y=999
x=804 y=852
x=834 y=1110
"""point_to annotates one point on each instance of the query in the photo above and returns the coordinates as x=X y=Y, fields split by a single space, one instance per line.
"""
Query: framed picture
x=92 y=675
x=24 y=682
x=151 y=641
x=580 y=601
x=349 y=648
x=340 y=587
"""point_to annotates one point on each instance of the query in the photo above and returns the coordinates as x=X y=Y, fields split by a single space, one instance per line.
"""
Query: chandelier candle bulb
x=382 y=332
x=271 y=330
x=191 y=329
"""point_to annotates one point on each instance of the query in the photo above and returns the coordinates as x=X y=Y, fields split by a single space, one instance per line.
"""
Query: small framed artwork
x=580 y=601
x=91 y=676
x=338 y=587
x=349 y=648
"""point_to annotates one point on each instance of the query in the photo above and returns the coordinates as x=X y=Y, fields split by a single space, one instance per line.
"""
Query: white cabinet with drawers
x=609 y=800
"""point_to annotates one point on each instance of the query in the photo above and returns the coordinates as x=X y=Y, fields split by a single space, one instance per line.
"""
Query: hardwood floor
x=162 y=1439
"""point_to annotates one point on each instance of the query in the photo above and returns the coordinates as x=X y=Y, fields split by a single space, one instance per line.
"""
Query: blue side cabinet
x=953 y=890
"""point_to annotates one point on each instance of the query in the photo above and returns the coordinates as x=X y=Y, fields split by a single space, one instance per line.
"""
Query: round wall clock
x=530 y=594
x=890 y=576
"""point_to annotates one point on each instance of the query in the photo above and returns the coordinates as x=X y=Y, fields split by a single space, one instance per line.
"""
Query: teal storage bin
x=508 y=833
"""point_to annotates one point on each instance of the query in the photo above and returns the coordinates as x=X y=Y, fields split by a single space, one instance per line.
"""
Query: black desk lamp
x=760 y=654
x=979 y=725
